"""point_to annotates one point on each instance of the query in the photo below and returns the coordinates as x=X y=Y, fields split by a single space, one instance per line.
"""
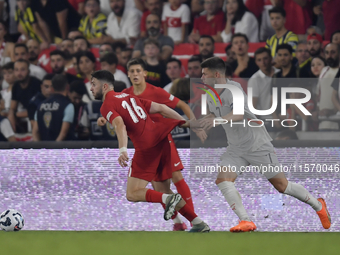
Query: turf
x=164 y=243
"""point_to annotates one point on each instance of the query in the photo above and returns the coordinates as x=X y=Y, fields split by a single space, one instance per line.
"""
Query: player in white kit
x=247 y=146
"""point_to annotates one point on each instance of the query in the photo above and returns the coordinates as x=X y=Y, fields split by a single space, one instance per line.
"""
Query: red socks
x=188 y=213
x=153 y=196
x=183 y=189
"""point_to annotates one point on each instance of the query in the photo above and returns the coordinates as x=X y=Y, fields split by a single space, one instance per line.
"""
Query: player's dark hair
x=278 y=10
x=59 y=83
x=110 y=58
x=214 y=63
x=175 y=60
x=288 y=133
x=285 y=47
x=58 y=52
x=209 y=37
x=83 y=38
x=262 y=50
x=18 y=45
x=104 y=76
x=23 y=61
x=194 y=59
x=8 y=66
x=78 y=86
x=48 y=77
x=136 y=61
x=239 y=35
x=335 y=32
x=152 y=41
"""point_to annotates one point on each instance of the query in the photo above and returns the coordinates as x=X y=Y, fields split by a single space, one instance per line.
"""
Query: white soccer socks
x=234 y=199
x=299 y=192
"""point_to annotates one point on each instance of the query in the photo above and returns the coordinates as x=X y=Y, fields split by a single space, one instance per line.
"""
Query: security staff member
x=55 y=115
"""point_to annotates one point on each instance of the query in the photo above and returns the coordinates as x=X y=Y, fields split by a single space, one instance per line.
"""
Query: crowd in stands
x=49 y=48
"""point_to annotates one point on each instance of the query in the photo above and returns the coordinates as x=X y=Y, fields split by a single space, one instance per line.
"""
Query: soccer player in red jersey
x=144 y=90
x=130 y=117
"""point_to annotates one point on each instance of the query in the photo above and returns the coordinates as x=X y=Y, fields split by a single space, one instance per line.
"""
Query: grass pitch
x=166 y=243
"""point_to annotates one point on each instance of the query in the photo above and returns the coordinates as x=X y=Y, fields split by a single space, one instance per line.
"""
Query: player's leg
x=164 y=187
x=225 y=181
x=183 y=208
x=136 y=191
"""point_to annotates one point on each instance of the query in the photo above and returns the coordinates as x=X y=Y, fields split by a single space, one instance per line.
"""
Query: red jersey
x=143 y=132
x=157 y=95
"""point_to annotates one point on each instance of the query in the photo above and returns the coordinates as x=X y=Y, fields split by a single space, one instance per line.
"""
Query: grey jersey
x=241 y=137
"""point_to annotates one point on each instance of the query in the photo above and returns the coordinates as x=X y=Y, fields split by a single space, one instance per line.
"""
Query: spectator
x=335 y=38
x=55 y=17
x=239 y=20
x=74 y=32
x=75 y=95
x=58 y=62
x=86 y=63
x=33 y=51
x=317 y=64
x=331 y=13
x=28 y=24
x=137 y=4
x=93 y=25
x=6 y=130
x=175 y=19
x=197 y=7
x=54 y=118
x=282 y=35
x=299 y=15
x=153 y=27
x=126 y=55
x=81 y=44
x=78 y=5
x=303 y=68
x=67 y=47
x=328 y=88
x=154 y=7
x=314 y=45
x=7 y=48
x=156 y=74
x=206 y=47
x=210 y=24
x=105 y=48
x=109 y=62
x=287 y=135
x=46 y=91
x=123 y=24
x=173 y=70
x=231 y=56
x=6 y=93
x=117 y=48
x=23 y=90
x=288 y=70
x=261 y=10
x=244 y=66
x=194 y=67
x=181 y=90
x=89 y=121
x=21 y=52
x=260 y=82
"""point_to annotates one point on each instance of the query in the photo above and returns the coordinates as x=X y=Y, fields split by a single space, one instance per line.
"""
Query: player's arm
x=165 y=111
x=120 y=128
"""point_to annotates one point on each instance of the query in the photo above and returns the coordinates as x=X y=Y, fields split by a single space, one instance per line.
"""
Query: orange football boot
x=244 y=226
x=323 y=214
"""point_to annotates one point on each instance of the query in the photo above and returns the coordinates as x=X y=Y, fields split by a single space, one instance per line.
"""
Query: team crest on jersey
x=110 y=129
x=47 y=119
x=122 y=95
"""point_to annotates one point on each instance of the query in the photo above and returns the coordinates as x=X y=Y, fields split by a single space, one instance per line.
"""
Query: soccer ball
x=11 y=220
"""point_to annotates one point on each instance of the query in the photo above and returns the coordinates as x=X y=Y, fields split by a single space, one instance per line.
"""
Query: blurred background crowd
x=266 y=44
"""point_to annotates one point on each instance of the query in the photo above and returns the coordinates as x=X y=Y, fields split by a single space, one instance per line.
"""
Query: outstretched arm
x=120 y=128
x=165 y=111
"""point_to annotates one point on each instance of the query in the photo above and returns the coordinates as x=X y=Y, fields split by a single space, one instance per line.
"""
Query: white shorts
x=263 y=161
